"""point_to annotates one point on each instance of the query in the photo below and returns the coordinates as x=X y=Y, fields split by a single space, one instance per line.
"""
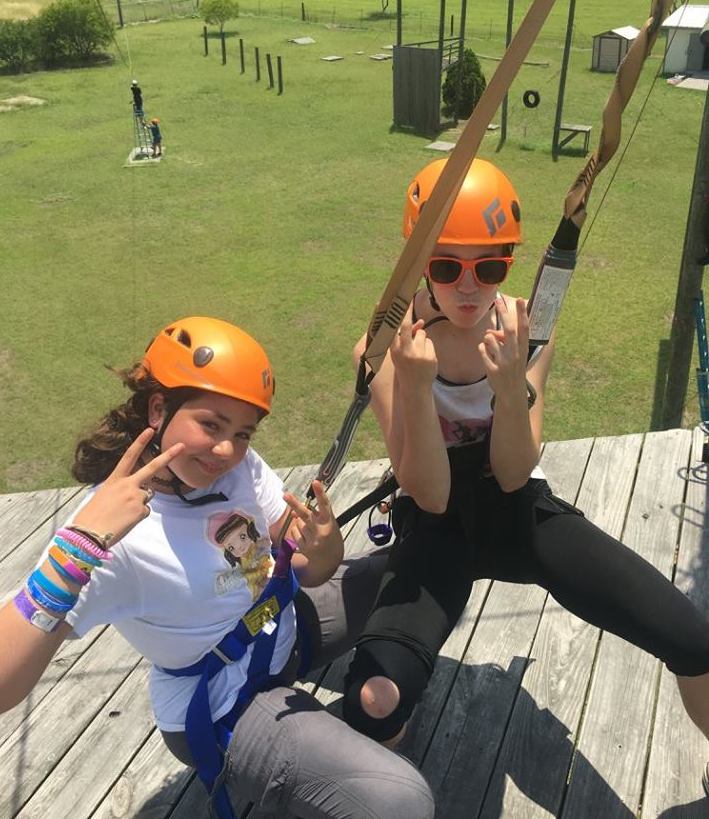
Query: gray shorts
x=292 y=758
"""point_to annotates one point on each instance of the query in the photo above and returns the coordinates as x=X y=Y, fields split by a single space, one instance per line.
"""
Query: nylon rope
x=625 y=82
x=662 y=11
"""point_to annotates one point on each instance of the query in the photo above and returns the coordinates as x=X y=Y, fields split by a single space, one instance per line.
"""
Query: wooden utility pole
x=688 y=286
x=562 y=79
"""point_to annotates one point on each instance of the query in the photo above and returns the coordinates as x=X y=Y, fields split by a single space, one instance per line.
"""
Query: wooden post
x=223 y=47
x=508 y=37
x=241 y=55
x=206 y=44
x=302 y=12
x=258 y=65
x=461 y=51
x=441 y=28
x=398 y=21
x=120 y=13
x=269 y=66
x=279 y=67
x=562 y=80
x=688 y=286
x=452 y=23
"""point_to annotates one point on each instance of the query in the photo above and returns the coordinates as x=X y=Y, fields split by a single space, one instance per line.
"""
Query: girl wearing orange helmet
x=453 y=402
x=157 y=551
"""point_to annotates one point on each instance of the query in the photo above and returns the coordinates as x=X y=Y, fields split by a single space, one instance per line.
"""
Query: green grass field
x=283 y=214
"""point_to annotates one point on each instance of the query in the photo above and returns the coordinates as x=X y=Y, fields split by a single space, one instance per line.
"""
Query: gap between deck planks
x=530 y=713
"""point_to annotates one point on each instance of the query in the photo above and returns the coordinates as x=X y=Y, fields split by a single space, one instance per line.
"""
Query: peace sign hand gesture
x=122 y=499
x=318 y=537
x=504 y=352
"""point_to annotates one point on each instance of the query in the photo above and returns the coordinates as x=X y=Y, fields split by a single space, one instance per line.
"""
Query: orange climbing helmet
x=211 y=355
x=485 y=212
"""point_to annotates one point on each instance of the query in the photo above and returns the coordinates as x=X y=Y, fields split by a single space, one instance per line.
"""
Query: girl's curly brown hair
x=97 y=455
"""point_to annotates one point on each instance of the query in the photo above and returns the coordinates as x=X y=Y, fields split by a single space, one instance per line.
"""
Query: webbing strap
x=561 y=253
x=626 y=79
x=204 y=738
x=400 y=291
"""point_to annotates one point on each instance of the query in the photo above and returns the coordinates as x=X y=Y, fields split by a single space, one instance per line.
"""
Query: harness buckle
x=222 y=656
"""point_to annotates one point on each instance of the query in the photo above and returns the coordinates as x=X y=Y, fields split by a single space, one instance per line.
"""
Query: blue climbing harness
x=208 y=740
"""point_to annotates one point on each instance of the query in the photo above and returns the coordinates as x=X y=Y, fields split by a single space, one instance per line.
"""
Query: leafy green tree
x=72 y=30
x=217 y=12
x=471 y=88
x=18 y=44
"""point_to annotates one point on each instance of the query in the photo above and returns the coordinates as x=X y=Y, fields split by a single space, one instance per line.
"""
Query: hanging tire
x=531 y=98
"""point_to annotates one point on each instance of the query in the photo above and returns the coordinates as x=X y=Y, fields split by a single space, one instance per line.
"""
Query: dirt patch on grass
x=19 y=9
x=26 y=475
x=21 y=101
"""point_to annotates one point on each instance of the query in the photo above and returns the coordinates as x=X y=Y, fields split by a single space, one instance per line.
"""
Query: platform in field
x=530 y=713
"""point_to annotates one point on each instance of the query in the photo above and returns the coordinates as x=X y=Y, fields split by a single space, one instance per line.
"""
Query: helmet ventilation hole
x=184 y=338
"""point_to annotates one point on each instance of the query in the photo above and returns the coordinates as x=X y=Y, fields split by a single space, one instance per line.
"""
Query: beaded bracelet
x=84 y=543
x=34 y=615
x=66 y=569
x=45 y=601
x=75 y=551
x=51 y=589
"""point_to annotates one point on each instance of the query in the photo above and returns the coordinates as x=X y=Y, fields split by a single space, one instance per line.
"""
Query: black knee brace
x=397 y=662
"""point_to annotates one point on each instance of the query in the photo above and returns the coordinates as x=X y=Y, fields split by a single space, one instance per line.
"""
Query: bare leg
x=379 y=697
x=695 y=696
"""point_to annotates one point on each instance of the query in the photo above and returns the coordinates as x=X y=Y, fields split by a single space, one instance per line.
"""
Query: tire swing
x=531 y=98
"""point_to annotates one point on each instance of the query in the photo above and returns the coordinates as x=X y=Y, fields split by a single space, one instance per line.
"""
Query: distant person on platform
x=156 y=136
x=137 y=99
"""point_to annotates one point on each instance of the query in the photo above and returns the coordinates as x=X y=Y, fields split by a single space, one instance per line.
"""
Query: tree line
x=67 y=32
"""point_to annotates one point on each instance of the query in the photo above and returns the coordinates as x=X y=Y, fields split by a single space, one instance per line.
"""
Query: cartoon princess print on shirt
x=243 y=547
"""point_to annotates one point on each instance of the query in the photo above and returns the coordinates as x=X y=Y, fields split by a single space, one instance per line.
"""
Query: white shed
x=610 y=47
x=684 y=51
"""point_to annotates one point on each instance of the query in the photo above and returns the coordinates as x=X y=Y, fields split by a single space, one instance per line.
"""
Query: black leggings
x=528 y=536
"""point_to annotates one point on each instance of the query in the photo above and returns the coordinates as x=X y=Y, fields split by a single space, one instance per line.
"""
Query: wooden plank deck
x=530 y=713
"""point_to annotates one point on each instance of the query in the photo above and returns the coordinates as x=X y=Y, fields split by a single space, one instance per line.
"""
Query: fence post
x=258 y=65
x=120 y=13
x=452 y=23
x=206 y=44
x=302 y=11
x=241 y=55
x=223 y=48
x=269 y=66
x=279 y=66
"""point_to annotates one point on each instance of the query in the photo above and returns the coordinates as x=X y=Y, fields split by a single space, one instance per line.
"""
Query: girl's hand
x=122 y=499
x=504 y=352
x=315 y=530
x=414 y=356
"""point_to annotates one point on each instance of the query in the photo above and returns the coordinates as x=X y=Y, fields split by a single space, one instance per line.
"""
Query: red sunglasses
x=488 y=270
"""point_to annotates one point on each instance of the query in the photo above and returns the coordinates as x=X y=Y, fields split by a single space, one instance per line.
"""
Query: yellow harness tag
x=257 y=618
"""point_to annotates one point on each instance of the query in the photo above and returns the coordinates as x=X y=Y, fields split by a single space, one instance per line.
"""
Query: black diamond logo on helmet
x=202 y=356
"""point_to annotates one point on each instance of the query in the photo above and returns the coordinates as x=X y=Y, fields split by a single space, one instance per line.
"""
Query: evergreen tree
x=471 y=88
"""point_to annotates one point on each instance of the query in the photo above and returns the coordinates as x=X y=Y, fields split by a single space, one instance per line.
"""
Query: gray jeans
x=292 y=758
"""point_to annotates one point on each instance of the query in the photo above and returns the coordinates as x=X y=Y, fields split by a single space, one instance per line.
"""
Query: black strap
x=388 y=487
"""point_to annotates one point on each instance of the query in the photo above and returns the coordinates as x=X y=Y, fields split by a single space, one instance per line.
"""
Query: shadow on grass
x=381 y=15
x=658 y=400
x=215 y=35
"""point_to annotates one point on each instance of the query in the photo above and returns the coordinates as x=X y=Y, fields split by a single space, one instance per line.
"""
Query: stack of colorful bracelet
x=74 y=554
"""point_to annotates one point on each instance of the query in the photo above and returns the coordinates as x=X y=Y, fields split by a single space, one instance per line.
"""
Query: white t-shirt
x=465 y=411
x=181 y=579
